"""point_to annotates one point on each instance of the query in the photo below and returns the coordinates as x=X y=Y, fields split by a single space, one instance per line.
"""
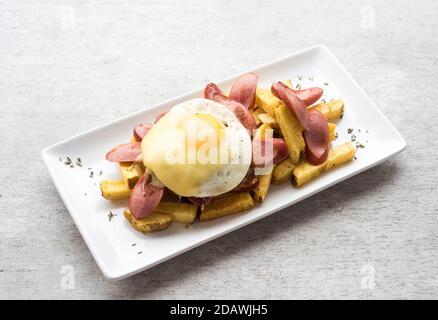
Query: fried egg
x=198 y=149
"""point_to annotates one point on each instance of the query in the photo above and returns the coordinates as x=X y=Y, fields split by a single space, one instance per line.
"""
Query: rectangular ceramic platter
x=111 y=242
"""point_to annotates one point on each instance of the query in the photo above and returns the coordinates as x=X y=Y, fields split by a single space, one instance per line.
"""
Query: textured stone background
x=67 y=66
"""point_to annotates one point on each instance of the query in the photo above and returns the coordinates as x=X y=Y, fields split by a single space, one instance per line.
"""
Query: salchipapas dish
x=218 y=155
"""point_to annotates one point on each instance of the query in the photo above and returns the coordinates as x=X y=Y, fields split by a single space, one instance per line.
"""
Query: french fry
x=181 y=212
x=282 y=171
x=332 y=131
x=260 y=192
x=133 y=139
x=156 y=221
x=255 y=114
x=291 y=131
x=140 y=168
x=331 y=110
x=304 y=171
x=266 y=100
x=131 y=172
x=340 y=154
x=227 y=205
x=288 y=83
x=115 y=189
x=268 y=119
x=260 y=132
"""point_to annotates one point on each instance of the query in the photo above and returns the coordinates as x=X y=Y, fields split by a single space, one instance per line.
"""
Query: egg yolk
x=185 y=151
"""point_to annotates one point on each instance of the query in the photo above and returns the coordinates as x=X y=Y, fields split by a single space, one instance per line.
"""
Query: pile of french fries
x=269 y=113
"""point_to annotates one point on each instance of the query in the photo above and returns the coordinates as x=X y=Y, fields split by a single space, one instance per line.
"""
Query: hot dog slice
x=309 y=95
x=144 y=197
x=295 y=104
x=200 y=201
x=249 y=183
x=244 y=89
x=141 y=130
x=125 y=152
x=212 y=92
x=242 y=113
x=317 y=138
x=269 y=151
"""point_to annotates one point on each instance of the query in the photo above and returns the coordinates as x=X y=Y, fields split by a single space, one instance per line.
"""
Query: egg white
x=227 y=175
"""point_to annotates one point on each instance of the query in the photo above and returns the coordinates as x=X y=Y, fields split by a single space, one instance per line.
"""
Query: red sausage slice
x=317 y=138
x=244 y=89
x=141 y=130
x=200 y=201
x=262 y=155
x=144 y=197
x=243 y=114
x=210 y=90
x=295 y=104
x=249 y=183
x=309 y=95
x=125 y=152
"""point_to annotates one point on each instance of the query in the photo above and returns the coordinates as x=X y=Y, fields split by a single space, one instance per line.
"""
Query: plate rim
x=45 y=153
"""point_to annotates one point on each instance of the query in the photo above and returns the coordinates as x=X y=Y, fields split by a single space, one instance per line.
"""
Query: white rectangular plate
x=120 y=251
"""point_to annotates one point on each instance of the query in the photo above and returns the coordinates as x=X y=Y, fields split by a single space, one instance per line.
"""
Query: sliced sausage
x=144 y=197
x=317 y=138
x=125 y=152
x=243 y=114
x=270 y=151
x=309 y=95
x=295 y=104
x=210 y=90
x=200 y=201
x=244 y=89
x=249 y=183
x=141 y=130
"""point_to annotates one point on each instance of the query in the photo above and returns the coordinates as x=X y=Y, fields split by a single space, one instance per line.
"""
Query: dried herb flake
x=111 y=216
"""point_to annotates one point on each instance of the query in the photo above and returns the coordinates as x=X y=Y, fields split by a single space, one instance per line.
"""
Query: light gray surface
x=68 y=66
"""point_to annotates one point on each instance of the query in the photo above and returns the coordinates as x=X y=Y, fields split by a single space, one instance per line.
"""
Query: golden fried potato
x=181 y=212
x=260 y=132
x=259 y=193
x=226 y=205
x=266 y=118
x=332 y=131
x=288 y=83
x=131 y=172
x=115 y=189
x=156 y=221
x=304 y=171
x=267 y=100
x=255 y=113
x=291 y=131
x=331 y=110
x=340 y=154
x=282 y=171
